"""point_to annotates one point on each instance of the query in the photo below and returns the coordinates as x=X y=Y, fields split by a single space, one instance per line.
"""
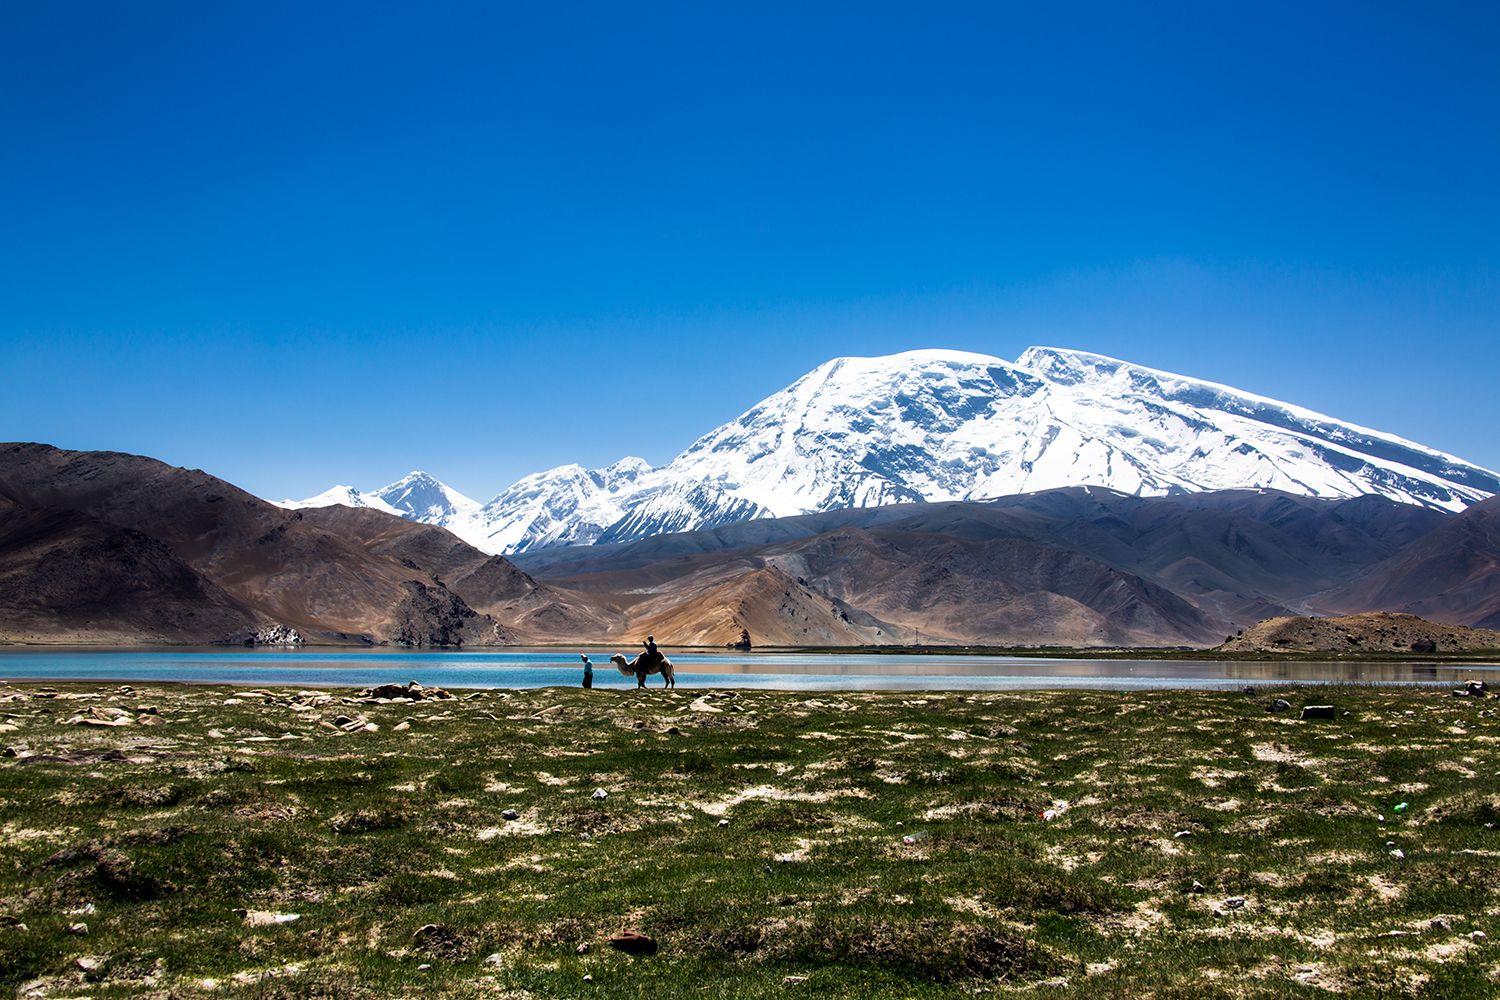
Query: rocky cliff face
x=434 y=616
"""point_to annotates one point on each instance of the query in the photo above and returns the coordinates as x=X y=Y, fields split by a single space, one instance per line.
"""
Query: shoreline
x=1206 y=655
x=1233 y=686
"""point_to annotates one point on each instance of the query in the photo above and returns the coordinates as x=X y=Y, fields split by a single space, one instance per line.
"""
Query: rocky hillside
x=1078 y=566
x=1452 y=575
x=1373 y=632
x=531 y=611
x=776 y=608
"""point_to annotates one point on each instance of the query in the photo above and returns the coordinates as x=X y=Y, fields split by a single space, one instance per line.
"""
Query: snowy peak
x=1069 y=367
x=865 y=366
x=855 y=432
x=418 y=496
x=623 y=473
x=679 y=507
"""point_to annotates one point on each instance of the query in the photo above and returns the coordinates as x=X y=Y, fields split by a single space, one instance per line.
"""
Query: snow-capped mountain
x=568 y=505
x=950 y=425
x=571 y=505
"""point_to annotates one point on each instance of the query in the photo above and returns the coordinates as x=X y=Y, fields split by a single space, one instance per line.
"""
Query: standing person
x=588 y=672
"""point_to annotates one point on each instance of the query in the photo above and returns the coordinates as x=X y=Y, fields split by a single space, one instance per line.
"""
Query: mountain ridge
x=938 y=425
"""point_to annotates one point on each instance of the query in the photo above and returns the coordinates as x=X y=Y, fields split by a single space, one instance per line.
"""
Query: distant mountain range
x=1070 y=566
x=110 y=548
x=934 y=426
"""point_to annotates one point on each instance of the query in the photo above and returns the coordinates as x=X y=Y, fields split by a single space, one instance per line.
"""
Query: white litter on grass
x=1059 y=806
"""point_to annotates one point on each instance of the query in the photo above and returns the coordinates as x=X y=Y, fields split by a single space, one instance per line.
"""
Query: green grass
x=369 y=836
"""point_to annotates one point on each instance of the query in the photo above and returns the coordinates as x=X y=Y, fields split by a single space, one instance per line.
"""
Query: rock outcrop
x=276 y=635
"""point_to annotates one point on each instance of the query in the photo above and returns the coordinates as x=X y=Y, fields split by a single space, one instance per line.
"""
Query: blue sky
x=312 y=243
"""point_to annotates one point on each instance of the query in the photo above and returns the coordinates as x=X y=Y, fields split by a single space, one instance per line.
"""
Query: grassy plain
x=1172 y=844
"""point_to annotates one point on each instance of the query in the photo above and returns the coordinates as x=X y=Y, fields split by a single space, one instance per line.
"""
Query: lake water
x=803 y=671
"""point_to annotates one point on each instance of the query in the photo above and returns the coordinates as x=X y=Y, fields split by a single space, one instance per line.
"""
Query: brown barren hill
x=1380 y=632
x=1076 y=566
x=66 y=574
x=212 y=563
x=777 y=609
x=989 y=589
x=887 y=585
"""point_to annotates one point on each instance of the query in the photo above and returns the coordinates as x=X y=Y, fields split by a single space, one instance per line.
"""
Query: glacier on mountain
x=568 y=505
x=936 y=425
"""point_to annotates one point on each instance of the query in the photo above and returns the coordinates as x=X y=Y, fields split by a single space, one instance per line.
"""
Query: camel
x=642 y=670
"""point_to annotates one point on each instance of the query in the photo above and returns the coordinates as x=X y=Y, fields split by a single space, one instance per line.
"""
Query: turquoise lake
x=804 y=671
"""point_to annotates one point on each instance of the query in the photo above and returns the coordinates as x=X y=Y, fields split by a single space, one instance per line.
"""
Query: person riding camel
x=653 y=655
